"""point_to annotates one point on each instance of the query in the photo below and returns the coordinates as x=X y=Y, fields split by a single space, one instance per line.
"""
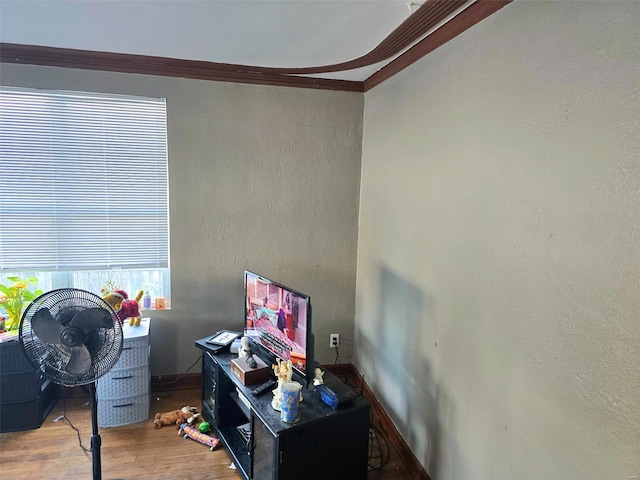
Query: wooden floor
x=137 y=451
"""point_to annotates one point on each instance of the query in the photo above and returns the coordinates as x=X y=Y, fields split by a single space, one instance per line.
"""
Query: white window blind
x=83 y=181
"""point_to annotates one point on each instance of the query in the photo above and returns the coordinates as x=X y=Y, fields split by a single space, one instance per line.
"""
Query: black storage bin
x=12 y=359
x=19 y=387
x=26 y=398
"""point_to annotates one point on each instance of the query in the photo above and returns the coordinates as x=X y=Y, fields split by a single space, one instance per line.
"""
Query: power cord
x=185 y=373
x=337 y=360
x=378 y=448
x=64 y=417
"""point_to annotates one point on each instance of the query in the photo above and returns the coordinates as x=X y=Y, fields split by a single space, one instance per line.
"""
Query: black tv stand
x=324 y=443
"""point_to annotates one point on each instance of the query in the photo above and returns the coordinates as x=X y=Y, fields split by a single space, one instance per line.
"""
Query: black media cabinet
x=323 y=444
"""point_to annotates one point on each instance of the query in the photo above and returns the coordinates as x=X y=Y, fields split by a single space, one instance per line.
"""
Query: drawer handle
x=127 y=348
x=123 y=378
x=125 y=405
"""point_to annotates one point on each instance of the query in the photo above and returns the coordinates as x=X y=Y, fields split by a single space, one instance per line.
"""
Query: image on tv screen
x=276 y=318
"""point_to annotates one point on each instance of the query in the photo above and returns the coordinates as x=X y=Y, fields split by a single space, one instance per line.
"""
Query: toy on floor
x=194 y=433
x=186 y=414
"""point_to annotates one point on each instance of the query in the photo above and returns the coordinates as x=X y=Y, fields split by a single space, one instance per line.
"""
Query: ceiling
x=308 y=43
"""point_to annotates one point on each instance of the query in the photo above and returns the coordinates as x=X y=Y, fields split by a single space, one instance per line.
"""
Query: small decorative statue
x=318 y=377
x=284 y=372
x=244 y=351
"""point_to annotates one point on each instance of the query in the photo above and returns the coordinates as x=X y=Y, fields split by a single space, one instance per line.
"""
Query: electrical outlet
x=334 y=340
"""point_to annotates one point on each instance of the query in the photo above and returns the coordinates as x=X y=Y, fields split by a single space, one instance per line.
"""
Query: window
x=83 y=190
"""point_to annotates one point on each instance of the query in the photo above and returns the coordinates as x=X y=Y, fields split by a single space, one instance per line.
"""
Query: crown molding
x=161 y=66
x=474 y=14
x=429 y=15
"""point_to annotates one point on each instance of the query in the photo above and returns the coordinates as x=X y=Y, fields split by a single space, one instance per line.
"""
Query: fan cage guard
x=104 y=344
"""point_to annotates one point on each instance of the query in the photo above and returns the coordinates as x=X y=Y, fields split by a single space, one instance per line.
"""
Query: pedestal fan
x=73 y=337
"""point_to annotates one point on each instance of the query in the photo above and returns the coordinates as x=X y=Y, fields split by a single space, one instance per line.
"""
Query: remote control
x=263 y=387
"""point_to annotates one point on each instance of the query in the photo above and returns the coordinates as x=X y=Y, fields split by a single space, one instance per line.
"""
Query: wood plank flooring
x=135 y=451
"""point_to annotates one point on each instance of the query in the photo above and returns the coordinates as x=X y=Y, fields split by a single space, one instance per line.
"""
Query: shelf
x=237 y=448
x=244 y=408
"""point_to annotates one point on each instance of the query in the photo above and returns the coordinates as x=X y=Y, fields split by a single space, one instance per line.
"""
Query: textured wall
x=498 y=292
x=263 y=178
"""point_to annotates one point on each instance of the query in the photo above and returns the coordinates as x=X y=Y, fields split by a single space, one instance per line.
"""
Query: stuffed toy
x=115 y=299
x=186 y=414
x=130 y=308
x=195 y=434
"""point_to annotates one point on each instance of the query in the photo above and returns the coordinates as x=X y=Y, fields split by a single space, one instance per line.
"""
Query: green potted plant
x=14 y=298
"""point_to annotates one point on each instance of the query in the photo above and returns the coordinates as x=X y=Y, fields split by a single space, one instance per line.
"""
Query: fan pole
x=95 y=436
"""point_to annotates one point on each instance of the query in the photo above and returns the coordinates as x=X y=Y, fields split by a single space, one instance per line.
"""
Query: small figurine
x=244 y=351
x=284 y=372
x=250 y=360
x=318 y=380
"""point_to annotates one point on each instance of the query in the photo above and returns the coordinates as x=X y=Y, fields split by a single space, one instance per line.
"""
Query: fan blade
x=80 y=361
x=44 y=326
x=92 y=319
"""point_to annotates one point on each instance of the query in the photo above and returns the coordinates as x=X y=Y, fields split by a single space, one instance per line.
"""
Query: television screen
x=278 y=320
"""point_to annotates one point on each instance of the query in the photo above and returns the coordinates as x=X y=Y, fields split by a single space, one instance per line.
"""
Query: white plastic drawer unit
x=123 y=393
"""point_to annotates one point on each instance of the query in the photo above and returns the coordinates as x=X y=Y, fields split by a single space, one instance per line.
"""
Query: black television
x=278 y=324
